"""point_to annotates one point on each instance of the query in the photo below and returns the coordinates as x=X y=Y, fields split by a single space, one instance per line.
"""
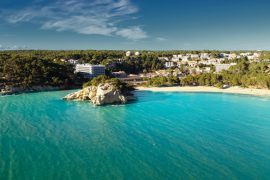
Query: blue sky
x=135 y=24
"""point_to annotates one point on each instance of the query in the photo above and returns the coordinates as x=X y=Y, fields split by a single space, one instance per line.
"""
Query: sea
x=161 y=135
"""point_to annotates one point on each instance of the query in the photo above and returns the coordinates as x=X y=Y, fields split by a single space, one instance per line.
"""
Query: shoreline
x=184 y=89
x=35 y=90
x=208 y=89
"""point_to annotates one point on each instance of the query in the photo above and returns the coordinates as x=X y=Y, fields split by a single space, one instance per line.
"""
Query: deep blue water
x=161 y=136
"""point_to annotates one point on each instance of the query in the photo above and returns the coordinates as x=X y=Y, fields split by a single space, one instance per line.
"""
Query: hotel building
x=90 y=71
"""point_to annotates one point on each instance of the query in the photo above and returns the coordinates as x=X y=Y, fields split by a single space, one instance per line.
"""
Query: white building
x=194 y=56
x=210 y=61
x=72 y=61
x=221 y=67
x=128 y=53
x=232 y=56
x=205 y=56
x=257 y=55
x=251 y=57
x=137 y=53
x=185 y=58
x=245 y=54
x=176 y=58
x=169 y=64
x=192 y=63
x=90 y=71
x=163 y=58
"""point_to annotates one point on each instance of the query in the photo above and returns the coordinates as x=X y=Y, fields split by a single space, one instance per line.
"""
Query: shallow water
x=161 y=136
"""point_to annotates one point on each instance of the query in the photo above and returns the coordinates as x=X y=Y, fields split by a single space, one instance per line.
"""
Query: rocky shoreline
x=19 y=90
x=102 y=94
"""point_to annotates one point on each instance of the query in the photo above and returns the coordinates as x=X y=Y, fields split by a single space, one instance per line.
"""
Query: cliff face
x=99 y=95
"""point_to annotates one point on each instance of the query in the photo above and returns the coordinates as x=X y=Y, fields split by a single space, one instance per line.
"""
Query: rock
x=105 y=93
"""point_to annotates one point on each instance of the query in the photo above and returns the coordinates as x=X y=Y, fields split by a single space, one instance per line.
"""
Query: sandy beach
x=231 y=90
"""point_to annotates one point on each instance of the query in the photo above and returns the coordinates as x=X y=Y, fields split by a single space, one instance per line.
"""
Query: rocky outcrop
x=103 y=94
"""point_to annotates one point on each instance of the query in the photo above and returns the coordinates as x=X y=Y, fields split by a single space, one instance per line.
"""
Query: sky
x=135 y=24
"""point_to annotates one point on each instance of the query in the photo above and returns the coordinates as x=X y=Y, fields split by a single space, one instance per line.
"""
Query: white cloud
x=100 y=17
x=133 y=33
x=82 y=25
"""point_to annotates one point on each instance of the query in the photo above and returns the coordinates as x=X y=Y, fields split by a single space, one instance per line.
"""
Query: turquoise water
x=161 y=136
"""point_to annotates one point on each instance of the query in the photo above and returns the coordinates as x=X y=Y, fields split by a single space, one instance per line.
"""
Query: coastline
x=17 y=91
x=207 y=89
x=193 y=89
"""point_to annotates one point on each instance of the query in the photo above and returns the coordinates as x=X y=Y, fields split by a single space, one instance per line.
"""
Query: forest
x=45 y=68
